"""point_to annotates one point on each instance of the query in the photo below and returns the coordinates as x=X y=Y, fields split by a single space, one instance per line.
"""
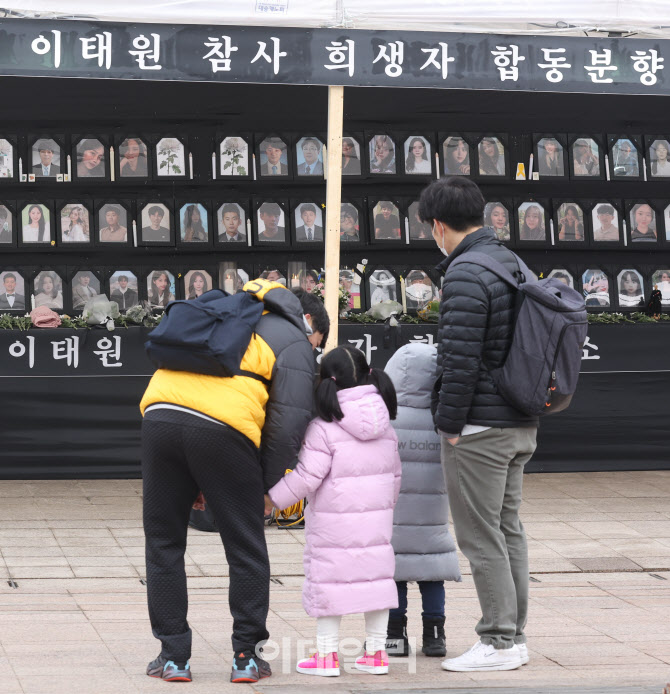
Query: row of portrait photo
x=91 y=158
x=191 y=225
x=271 y=156
x=627 y=289
x=279 y=223
x=130 y=157
x=68 y=290
x=62 y=289
x=485 y=156
x=604 y=223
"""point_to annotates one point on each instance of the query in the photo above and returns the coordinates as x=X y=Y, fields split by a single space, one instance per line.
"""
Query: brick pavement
x=73 y=615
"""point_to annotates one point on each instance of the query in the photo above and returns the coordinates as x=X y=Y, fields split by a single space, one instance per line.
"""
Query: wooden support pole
x=333 y=201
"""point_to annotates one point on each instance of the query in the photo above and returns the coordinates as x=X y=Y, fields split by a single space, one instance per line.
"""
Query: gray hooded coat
x=424 y=547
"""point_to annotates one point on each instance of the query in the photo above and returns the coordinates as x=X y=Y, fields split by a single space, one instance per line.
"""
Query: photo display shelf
x=84 y=213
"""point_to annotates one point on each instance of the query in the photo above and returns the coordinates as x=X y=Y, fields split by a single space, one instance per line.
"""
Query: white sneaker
x=523 y=650
x=485 y=658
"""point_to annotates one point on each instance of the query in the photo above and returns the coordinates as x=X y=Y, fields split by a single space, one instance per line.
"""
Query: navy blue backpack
x=208 y=335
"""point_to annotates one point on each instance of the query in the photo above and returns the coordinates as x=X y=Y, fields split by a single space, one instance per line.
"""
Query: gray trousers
x=485 y=478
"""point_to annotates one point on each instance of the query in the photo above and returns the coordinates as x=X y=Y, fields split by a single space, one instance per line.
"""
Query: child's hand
x=268 y=504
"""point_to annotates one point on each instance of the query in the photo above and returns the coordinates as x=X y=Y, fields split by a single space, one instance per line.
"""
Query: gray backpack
x=540 y=372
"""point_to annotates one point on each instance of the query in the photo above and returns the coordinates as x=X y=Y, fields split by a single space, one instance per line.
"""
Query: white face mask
x=443 y=250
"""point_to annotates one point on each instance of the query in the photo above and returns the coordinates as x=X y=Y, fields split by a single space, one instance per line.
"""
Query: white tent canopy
x=642 y=18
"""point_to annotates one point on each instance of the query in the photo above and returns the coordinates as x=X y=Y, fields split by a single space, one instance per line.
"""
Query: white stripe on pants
x=328 y=632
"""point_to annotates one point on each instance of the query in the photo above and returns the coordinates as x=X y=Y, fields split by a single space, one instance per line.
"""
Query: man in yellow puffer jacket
x=233 y=438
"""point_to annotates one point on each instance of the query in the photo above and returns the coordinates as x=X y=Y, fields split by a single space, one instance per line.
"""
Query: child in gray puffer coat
x=424 y=548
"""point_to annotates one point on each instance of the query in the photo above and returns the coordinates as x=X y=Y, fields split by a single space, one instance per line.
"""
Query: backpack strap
x=486 y=261
x=251 y=374
x=498 y=269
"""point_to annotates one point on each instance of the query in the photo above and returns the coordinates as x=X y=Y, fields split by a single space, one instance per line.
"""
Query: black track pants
x=182 y=454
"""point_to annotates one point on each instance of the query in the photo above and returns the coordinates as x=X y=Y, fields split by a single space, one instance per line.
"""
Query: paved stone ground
x=73 y=615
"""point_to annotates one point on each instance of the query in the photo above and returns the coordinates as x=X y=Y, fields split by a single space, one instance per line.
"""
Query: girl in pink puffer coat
x=349 y=470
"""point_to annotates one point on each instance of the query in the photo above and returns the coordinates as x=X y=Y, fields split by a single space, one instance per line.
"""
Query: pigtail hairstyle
x=380 y=379
x=346 y=367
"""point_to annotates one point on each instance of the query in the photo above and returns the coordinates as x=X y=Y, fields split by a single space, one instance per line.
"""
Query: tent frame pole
x=333 y=202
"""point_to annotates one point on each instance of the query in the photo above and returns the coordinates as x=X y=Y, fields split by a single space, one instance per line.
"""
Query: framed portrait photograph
x=274 y=273
x=133 y=158
x=308 y=222
x=532 y=223
x=231 y=220
x=570 y=223
x=7 y=228
x=606 y=224
x=586 y=157
x=351 y=281
x=272 y=157
x=161 y=288
x=418 y=156
x=630 y=290
x=382 y=154
x=234 y=156
x=497 y=216
x=48 y=290
x=549 y=151
x=643 y=224
x=75 y=224
x=7 y=159
x=387 y=223
x=36 y=225
x=492 y=156
x=46 y=157
x=155 y=225
x=171 y=158
x=193 y=225
x=271 y=224
x=420 y=289
x=596 y=288
x=91 y=158
x=562 y=275
x=625 y=157
x=196 y=283
x=456 y=155
x=309 y=157
x=114 y=223
x=84 y=285
x=351 y=156
x=420 y=233
x=124 y=289
x=660 y=280
x=308 y=279
x=232 y=277
x=12 y=292
x=382 y=286
x=351 y=223
x=658 y=157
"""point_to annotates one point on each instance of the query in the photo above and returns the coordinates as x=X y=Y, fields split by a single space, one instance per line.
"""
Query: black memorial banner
x=285 y=55
x=73 y=396
x=98 y=352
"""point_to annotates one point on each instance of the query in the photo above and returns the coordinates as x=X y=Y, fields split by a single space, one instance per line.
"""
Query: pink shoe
x=374 y=664
x=320 y=665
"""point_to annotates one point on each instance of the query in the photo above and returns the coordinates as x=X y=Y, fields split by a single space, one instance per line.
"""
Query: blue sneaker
x=168 y=670
x=249 y=667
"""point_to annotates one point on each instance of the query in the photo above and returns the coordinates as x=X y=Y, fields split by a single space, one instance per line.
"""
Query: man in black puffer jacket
x=485 y=441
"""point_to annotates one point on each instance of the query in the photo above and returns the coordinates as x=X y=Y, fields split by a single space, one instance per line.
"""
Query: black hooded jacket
x=476 y=328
